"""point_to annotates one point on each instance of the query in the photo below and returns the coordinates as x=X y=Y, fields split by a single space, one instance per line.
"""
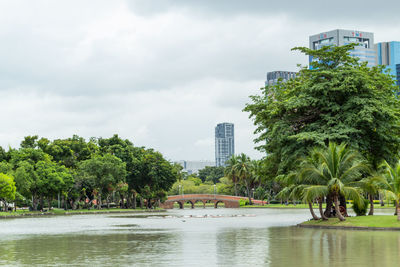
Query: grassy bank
x=22 y=213
x=376 y=221
x=305 y=206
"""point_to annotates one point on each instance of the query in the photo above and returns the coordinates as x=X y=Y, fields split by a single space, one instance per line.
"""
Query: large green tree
x=338 y=99
x=104 y=172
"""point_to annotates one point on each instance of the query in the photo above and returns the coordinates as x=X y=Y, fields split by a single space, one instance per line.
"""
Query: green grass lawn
x=56 y=211
x=305 y=206
x=359 y=221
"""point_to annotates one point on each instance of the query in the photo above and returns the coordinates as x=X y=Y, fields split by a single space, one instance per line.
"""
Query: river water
x=198 y=237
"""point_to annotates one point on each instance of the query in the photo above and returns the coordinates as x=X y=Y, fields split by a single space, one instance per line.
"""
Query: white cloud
x=162 y=75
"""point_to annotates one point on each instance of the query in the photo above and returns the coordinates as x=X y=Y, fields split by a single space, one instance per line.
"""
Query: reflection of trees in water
x=242 y=247
x=91 y=250
x=292 y=246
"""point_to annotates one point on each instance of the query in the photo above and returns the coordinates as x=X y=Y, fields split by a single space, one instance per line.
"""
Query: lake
x=198 y=237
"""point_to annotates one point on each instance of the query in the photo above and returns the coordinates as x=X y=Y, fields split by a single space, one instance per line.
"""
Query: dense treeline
x=84 y=173
x=332 y=134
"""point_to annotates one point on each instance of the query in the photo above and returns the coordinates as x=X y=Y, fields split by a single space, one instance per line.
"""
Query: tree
x=105 y=172
x=7 y=189
x=332 y=172
x=245 y=173
x=230 y=171
x=373 y=185
x=211 y=173
x=392 y=175
x=339 y=99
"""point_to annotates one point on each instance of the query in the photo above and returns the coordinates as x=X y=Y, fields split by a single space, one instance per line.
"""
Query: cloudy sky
x=160 y=73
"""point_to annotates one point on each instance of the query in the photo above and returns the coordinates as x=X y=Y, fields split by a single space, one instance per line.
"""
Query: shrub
x=361 y=211
x=243 y=202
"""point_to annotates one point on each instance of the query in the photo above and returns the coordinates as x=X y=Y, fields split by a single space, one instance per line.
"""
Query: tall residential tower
x=224 y=143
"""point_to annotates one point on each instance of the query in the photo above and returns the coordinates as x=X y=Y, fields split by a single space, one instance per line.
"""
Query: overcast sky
x=160 y=73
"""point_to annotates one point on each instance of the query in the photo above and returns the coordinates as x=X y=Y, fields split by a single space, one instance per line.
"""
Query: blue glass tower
x=388 y=54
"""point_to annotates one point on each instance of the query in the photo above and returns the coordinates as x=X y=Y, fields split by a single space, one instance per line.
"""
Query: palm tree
x=230 y=171
x=243 y=168
x=295 y=190
x=392 y=175
x=373 y=185
x=331 y=171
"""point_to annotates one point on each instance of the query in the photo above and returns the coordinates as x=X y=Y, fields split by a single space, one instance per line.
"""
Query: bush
x=243 y=202
x=361 y=211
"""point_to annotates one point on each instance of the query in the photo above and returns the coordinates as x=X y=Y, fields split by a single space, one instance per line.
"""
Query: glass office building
x=224 y=143
x=365 y=49
x=388 y=54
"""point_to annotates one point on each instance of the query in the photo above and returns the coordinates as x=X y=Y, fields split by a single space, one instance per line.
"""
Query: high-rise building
x=364 y=50
x=224 y=143
x=388 y=54
x=274 y=76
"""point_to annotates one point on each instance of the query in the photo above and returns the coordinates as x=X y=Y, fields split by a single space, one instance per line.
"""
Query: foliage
x=361 y=210
x=243 y=202
x=211 y=173
x=7 y=188
x=339 y=99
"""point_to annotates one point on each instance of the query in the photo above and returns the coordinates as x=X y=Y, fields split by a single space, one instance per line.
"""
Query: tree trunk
x=236 y=188
x=63 y=201
x=134 y=201
x=371 y=205
x=49 y=203
x=381 y=200
x=248 y=194
x=396 y=203
x=41 y=203
x=338 y=214
x=122 y=205
x=141 y=202
x=99 y=202
x=321 y=211
x=315 y=217
x=329 y=205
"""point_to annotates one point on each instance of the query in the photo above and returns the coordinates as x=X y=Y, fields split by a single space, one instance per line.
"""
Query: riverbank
x=57 y=212
x=375 y=222
x=304 y=206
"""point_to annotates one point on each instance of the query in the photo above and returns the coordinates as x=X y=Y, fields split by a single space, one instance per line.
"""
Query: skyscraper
x=274 y=76
x=364 y=50
x=224 y=143
x=388 y=54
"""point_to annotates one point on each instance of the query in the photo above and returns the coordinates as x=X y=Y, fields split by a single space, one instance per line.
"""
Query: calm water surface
x=199 y=237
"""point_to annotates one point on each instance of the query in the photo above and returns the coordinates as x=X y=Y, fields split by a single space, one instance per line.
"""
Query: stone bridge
x=229 y=201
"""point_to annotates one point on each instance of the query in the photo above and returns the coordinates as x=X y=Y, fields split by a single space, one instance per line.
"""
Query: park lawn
x=56 y=211
x=305 y=206
x=282 y=206
x=385 y=221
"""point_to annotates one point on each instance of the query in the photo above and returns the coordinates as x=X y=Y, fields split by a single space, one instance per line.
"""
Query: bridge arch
x=181 y=205
x=217 y=202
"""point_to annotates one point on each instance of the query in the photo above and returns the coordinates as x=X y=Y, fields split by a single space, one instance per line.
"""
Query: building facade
x=365 y=49
x=274 y=76
x=224 y=143
x=388 y=54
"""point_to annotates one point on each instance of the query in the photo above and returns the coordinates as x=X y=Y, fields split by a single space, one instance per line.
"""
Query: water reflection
x=223 y=237
x=294 y=246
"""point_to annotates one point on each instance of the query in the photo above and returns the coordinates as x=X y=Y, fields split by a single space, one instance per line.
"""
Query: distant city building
x=194 y=166
x=388 y=54
x=274 y=76
x=365 y=49
x=224 y=143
